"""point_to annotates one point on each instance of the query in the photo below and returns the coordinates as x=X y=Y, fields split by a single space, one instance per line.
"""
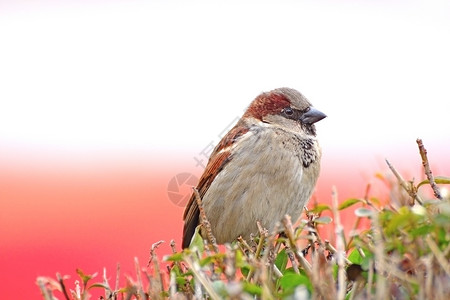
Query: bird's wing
x=218 y=160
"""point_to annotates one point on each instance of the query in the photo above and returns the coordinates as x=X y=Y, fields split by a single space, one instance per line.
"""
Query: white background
x=171 y=75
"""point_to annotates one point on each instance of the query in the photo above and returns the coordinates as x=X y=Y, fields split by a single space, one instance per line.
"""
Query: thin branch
x=205 y=223
x=262 y=237
x=172 y=285
x=173 y=246
x=140 y=285
x=272 y=250
x=404 y=184
x=63 y=286
x=340 y=245
x=158 y=274
x=195 y=268
x=443 y=262
x=290 y=234
x=333 y=251
x=244 y=245
x=381 y=282
x=116 y=286
x=42 y=283
x=426 y=166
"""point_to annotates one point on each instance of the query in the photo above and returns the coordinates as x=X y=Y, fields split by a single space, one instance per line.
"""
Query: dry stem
x=205 y=223
x=290 y=234
x=404 y=184
x=340 y=245
x=426 y=166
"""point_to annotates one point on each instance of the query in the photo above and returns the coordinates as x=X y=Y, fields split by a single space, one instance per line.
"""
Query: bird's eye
x=288 y=111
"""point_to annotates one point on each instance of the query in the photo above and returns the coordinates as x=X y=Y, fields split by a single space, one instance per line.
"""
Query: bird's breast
x=270 y=173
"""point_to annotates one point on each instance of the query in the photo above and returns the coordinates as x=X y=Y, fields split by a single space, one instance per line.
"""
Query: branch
x=205 y=223
x=404 y=184
x=426 y=165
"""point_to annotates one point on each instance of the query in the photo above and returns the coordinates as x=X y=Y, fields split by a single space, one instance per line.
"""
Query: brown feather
x=219 y=158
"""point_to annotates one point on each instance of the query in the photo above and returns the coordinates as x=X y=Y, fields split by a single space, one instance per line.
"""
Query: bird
x=265 y=167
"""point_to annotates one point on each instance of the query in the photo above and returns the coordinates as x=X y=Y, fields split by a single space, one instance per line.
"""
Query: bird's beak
x=312 y=116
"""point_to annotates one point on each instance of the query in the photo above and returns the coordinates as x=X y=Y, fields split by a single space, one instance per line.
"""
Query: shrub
x=403 y=253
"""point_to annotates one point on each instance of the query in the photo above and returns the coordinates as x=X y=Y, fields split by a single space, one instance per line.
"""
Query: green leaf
x=355 y=257
x=242 y=263
x=197 y=241
x=318 y=209
x=281 y=260
x=174 y=257
x=181 y=280
x=100 y=285
x=218 y=257
x=374 y=200
x=84 y=277
x=348 y=203
x=245 y=270
x=421 y=230
x=252 y=288
x=401 y=220
x=437 y=179
x=363 y=212
x=366 y=261
x=291 y=281
x=290 y=271
x=335 y=271
x=360 y=264
x=220 y=288
x=323 y=220
x=441 y=220
x=240 y=259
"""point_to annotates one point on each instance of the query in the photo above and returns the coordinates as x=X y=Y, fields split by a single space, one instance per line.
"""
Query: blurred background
x=109 y=109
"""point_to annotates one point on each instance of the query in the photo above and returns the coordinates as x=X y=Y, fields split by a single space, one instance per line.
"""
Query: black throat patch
x=304 y=148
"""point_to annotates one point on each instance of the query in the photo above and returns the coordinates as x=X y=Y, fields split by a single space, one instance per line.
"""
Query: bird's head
x=286 y=108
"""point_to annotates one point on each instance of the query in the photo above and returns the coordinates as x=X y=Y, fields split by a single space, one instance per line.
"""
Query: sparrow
x=265 y=167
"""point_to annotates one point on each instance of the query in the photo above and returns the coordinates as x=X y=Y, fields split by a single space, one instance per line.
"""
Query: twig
x=172 y=285
x=426 y=166
x=340 y=245
x=229 y=261
x=443 y=262
x=194 y=267
x=370 y=278
x=140 y=286
x=46 y=293
x=108 y=292
x=174 y=250
x=291 y=257
x=116 y=286
x=173 y=247
x=63 y=286
x=403 y=183
x=205 y=223
x=262 y=237
x=321 y=277
x=290 y=234
x=152 y=252
x=244 y=245
x=428 y=262
x=154 y=258
x=272 y=249
x=381 y=282
x=333 y=250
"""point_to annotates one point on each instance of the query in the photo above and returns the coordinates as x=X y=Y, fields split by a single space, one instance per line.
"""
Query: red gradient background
x=59 y=212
